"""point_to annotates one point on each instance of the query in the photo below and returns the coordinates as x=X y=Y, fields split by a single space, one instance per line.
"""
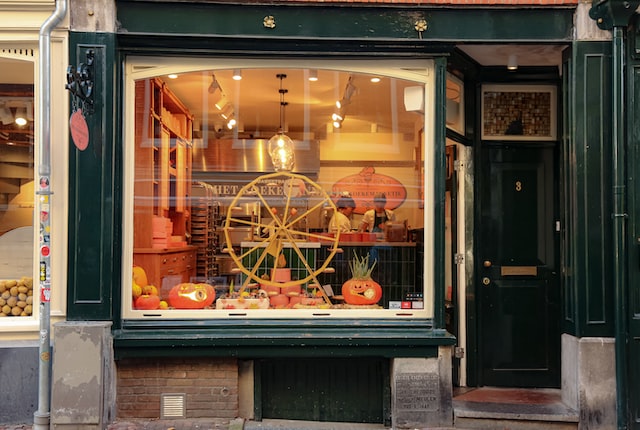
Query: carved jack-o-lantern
x=361 y=292
x=191 y=296
x=361 y=289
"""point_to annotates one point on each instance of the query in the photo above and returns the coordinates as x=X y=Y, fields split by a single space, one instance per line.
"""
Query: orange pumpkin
x=361 y=292
x=147 y=302
x=191 y=296
x=361 y=289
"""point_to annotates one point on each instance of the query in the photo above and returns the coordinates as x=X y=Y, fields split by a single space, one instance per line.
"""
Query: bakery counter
x=380 y=244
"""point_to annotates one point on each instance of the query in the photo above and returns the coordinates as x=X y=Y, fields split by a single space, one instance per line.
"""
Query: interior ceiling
x=257 y=99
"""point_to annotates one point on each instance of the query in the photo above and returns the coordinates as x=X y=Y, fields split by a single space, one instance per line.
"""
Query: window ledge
x=280 y=338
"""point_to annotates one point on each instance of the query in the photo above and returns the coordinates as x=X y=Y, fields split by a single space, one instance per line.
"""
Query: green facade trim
x=94 y=200
x=586 y=151
x=279 y=338
x=313 y=21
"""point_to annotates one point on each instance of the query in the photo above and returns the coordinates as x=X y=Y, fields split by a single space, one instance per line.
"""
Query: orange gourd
x=361 y=289
x=191 y=296
x=361 y=292
x=147 y=302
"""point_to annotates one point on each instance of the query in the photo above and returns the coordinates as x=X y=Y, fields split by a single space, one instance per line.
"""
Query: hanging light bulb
x=280 y=145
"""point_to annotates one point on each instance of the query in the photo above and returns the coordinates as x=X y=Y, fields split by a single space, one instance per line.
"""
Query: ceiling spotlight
x=222 y=102
x=215 y=86
x=375 y=79
x=237 y=74
x=336 y=117
x=313 y=75
x=227 y=111
x=512 y=62
x=231 y=123
x=172 y=76
x=21 y=116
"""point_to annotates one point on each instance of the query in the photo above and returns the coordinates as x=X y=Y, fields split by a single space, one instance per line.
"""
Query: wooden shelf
x=162 y=184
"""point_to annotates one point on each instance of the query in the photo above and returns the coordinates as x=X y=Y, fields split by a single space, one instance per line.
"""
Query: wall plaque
x=416 y=392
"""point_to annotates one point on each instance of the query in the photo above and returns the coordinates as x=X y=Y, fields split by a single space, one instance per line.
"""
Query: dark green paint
x=321 y=389
x=632 y=356
x=312 y=21
x=519 y=314
x=279 y=338
x=612 y=13
x=588 y=281
x=439 y=193
x=94 y=213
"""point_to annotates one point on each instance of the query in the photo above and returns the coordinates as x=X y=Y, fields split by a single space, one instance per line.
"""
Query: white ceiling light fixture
x=313 y=75
x=237 y=74
x=280 y=145
x=512 y=62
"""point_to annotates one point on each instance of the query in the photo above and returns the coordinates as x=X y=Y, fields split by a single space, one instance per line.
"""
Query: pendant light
x=281 y=145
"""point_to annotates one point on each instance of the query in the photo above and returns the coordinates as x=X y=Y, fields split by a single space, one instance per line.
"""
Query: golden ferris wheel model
x=282 y=225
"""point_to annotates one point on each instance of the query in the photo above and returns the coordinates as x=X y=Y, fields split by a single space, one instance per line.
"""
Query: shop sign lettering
x=365 y=184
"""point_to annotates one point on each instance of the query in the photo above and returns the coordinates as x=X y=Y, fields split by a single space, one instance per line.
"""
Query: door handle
x=486 y=281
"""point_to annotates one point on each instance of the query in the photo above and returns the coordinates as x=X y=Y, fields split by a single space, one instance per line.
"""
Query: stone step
x=513 y=409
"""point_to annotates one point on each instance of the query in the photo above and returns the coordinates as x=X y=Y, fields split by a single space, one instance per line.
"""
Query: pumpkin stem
x=360 y=267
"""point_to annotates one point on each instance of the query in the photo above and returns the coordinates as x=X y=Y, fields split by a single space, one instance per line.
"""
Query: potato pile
x=16 y=297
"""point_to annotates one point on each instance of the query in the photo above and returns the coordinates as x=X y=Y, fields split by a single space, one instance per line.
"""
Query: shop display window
x=251 y=188
x=17 y=188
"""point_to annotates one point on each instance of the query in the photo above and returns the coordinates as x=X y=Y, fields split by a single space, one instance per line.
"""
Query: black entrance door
x=517 y=282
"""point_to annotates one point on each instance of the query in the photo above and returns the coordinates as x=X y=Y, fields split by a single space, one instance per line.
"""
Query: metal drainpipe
x=41 y=417
x=619 y=224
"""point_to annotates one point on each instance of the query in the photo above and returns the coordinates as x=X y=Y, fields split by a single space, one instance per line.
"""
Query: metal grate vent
x=172 y=406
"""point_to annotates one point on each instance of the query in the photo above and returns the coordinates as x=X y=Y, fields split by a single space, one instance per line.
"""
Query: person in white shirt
x=374 y=219
x=341 y=220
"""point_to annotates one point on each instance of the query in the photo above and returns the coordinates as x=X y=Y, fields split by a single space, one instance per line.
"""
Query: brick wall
x=210 y=385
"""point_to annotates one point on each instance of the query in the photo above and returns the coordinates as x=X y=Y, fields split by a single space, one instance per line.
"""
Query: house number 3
x=518 y=186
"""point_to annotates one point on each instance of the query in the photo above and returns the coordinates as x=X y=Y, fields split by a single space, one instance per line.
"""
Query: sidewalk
x=237 y=424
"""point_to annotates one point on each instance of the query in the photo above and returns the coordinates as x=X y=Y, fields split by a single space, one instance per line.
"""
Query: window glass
x=16 y=186
x=455 y=104
x=258 y=190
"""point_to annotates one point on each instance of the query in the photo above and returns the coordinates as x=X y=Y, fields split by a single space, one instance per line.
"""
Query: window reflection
x=216 y=227
x=16 y=187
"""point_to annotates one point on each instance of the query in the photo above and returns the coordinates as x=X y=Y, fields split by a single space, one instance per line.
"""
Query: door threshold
x=522 y=404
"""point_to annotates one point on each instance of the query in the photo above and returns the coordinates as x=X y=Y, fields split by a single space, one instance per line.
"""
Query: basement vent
x=172 y=406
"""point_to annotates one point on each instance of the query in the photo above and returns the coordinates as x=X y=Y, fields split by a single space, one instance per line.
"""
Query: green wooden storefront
x=590 y=306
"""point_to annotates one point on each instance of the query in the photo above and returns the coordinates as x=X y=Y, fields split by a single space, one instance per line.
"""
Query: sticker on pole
x=45 y=293
x=79 y=130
